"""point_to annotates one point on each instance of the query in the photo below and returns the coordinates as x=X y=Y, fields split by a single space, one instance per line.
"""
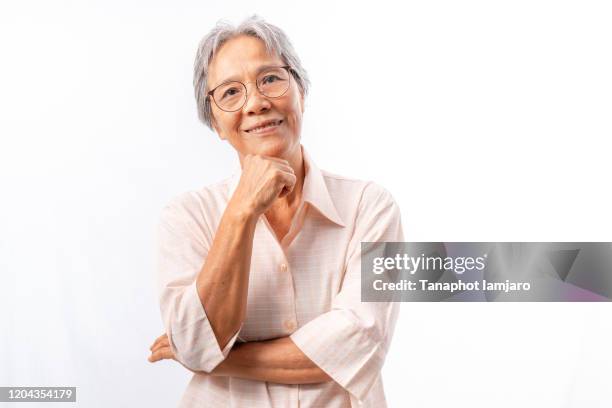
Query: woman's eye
x=270 y=78
x=230 y=92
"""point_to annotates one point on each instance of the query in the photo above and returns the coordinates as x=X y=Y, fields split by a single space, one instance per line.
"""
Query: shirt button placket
x=291 y=323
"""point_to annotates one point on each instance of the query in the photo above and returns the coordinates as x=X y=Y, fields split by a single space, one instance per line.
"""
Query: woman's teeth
x=269 y=125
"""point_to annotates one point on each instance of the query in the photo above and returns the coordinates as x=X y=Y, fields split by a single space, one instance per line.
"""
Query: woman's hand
x=263 y=180
x=160 y=350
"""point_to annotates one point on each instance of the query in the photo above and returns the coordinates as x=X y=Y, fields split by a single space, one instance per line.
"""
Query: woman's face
x=242 y=59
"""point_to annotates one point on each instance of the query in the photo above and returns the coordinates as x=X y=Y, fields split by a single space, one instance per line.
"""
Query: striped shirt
x=307 y=287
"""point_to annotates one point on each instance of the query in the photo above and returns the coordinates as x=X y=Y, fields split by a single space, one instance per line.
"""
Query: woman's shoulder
x=205 y=201
x=357 y=190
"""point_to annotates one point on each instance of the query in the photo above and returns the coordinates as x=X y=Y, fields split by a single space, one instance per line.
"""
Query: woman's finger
x=157 y=340
x=276 y=159
x=163 y=353
x=162 y=343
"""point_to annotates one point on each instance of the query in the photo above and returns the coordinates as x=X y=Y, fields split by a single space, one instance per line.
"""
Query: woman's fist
x=263 y=180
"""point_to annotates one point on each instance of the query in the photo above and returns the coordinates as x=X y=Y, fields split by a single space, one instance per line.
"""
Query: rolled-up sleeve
x=350 y=342
x=183 y=243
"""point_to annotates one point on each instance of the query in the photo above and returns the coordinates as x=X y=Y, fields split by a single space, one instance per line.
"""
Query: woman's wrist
x=241 y=212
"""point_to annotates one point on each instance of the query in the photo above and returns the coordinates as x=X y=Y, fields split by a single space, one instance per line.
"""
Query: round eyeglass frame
x=246 y=91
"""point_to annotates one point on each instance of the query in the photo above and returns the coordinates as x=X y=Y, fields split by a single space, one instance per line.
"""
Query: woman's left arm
x=279 y=361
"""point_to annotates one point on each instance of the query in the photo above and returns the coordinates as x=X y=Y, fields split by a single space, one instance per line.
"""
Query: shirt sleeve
x=183 y=243
x=350 y=342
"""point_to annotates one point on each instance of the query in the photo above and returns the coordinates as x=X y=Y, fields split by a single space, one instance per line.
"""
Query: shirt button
x=290 y=325
x=283 y=267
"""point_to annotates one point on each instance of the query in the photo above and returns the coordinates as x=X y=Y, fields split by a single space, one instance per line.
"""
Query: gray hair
x=275 y=40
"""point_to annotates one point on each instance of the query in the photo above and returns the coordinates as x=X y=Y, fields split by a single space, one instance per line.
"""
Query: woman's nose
x=256 y=102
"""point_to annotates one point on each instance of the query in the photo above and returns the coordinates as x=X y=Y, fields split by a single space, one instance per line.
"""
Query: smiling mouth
x=266 y=127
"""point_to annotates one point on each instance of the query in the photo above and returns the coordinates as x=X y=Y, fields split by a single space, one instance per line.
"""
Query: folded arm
x=279 y=361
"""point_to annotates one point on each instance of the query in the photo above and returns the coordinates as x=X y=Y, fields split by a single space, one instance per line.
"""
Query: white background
x=487 y=120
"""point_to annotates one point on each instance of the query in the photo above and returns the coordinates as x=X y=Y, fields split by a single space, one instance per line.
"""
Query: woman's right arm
x=223 y=280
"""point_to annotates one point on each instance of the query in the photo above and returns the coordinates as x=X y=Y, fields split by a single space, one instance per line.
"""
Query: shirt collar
x=314 y=190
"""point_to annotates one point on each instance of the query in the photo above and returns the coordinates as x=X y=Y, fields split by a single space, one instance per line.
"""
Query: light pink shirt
x=307 y=287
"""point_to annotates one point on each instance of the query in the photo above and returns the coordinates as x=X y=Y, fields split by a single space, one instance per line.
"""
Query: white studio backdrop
x=487 y=120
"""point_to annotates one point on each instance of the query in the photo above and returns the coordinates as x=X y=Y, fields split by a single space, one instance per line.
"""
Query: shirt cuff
x=345 y=351
x=191 y=335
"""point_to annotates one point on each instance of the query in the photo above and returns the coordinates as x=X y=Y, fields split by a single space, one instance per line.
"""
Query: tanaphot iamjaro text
x=459 y=265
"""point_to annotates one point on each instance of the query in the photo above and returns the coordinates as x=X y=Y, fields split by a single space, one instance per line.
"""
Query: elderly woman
x=259 y=274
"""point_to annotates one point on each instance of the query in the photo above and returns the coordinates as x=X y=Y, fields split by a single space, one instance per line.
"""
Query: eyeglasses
x=272 y=82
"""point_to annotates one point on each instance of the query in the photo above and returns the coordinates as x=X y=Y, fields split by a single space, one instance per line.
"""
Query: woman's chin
x=273 y=147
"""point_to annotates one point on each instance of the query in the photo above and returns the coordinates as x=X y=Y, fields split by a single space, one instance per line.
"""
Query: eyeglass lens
x=272 y=83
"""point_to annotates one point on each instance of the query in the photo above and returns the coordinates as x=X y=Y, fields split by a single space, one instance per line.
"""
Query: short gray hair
x=275 y=40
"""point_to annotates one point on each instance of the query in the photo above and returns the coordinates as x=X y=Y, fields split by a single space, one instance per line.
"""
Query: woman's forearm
x=223 y=280
x=278 y=361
